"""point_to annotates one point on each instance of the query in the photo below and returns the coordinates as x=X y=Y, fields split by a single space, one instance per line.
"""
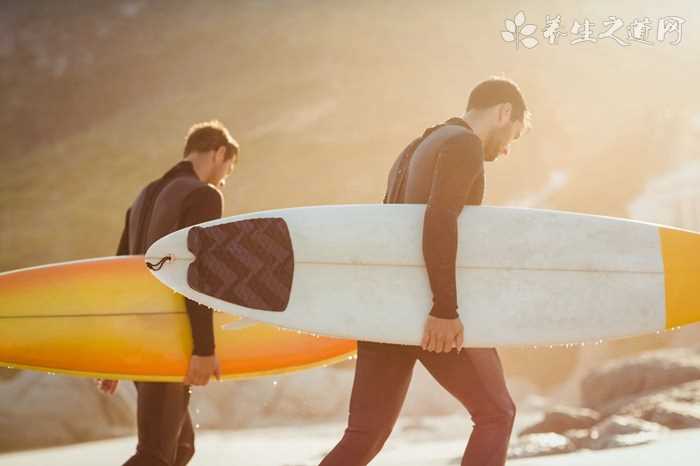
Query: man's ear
x=220 y=154
x=505 y=112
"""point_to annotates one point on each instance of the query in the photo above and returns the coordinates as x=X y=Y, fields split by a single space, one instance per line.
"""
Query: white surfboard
x=524 y=276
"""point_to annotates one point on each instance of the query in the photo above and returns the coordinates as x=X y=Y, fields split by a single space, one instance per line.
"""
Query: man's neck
x=197 y=168
x=476 y=124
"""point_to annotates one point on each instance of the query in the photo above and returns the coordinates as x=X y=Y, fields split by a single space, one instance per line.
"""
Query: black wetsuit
x=174 y=201
x=443 y=169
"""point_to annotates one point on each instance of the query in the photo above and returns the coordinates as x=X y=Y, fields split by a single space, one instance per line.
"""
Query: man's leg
x=475 y=377
x=161 y=411
x=382 y=375
x=185 y=445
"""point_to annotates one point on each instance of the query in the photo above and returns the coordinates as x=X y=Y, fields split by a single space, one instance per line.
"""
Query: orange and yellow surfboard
x=110 y=318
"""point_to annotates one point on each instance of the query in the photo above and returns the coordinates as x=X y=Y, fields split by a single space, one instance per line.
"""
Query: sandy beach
x=433 y=441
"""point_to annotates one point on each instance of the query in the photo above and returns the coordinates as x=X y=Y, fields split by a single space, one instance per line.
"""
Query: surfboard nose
x=681 y=258
x=249 y=263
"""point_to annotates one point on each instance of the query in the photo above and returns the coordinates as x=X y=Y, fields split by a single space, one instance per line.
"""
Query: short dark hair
x=499 y=90
x=210 y=135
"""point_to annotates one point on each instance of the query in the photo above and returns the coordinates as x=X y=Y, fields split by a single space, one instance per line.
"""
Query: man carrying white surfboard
x=185 y=195
x=443 y=169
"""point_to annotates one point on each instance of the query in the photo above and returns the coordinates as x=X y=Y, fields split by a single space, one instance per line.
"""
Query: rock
x=562 y=419
x=614 y=432
x=314 y=395
x=627 y=440
x=624 y=379
x=42 y=410
x=624 y=431
x=581 y=438
x=674 y=415
x=675 y=408
x=540 y=445
x=624 y=425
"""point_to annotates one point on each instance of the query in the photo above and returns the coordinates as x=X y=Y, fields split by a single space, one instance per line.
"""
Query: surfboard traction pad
x=249 y=263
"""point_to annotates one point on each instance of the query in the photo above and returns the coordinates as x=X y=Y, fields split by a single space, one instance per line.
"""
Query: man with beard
x=185 y=195
x=443 y=169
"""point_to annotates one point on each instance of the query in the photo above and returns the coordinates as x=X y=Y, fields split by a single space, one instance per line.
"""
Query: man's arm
x=200 y=206
x=456 y=168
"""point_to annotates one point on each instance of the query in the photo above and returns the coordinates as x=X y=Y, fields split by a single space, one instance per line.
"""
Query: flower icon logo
x=519 y=32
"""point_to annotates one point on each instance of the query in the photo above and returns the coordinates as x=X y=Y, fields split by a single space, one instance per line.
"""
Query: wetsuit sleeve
x=123 y=248
x=201 y=205
x=456 y=168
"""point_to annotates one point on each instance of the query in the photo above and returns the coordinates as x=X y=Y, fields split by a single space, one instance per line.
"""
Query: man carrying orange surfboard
x=185 y=195
x=443 y=169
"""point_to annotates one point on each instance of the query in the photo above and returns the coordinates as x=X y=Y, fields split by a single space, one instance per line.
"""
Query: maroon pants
x=382 y=376
x=165 y=434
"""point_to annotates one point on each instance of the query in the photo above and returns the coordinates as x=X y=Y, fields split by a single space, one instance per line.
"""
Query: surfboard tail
x=681 y=258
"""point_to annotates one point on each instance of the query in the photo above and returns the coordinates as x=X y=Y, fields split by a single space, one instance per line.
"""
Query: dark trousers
x=382 y=376
x=165 y=434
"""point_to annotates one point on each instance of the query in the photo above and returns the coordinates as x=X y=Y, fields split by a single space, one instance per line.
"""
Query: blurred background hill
x=96 y=98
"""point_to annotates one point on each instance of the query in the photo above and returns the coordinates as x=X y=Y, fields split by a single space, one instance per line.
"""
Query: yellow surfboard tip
x=681 y=257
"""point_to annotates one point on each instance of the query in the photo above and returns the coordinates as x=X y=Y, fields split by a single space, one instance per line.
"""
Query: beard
x=491 y=151
x=495 y=143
